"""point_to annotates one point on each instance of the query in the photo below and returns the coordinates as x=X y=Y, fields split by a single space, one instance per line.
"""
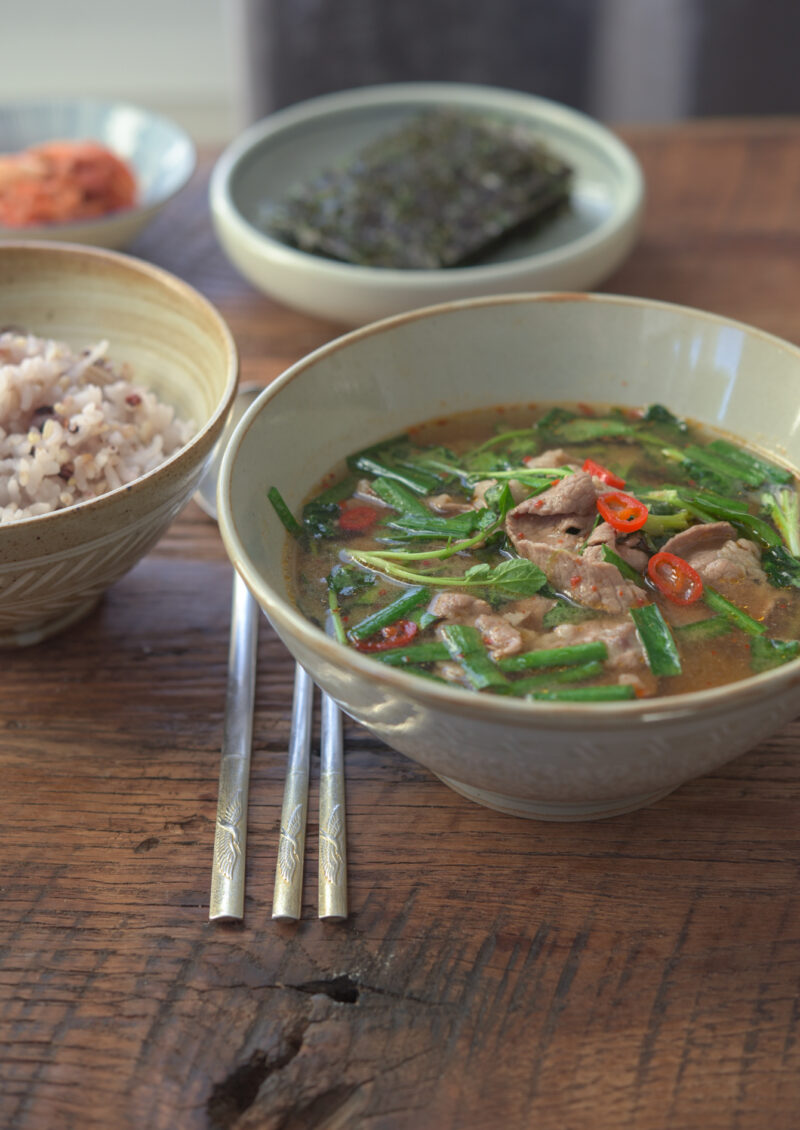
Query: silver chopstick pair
x=231 y=835
x=288 y=895
x=230 y=838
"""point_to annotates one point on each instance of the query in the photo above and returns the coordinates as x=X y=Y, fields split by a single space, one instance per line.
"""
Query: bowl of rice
x=115 y=382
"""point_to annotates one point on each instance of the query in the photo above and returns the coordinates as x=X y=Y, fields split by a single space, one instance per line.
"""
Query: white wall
x=174 y=56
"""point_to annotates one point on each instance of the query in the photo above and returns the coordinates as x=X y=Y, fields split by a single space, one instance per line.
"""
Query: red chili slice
x=355 y=518
x=622 y=511
x=675 y=578
x=394 y=635
x=598 y=471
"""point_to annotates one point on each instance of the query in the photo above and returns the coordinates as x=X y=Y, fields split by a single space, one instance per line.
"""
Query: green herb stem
x=450 y=550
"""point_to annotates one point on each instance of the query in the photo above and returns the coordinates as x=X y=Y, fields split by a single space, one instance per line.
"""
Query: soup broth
x=577 y=553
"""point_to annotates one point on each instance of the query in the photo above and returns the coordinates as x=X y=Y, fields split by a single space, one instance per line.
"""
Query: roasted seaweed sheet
x=436 y=193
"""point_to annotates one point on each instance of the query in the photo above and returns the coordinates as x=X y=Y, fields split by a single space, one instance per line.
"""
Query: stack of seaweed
x=439 y=192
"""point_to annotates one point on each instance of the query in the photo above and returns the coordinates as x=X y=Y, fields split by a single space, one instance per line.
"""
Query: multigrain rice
x=73 y=426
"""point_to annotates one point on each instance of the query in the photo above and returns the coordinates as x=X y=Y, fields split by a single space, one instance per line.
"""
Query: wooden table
x=630 y=974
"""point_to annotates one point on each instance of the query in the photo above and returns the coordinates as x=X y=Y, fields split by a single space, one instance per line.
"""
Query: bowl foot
x=544 y=810
x=35 y=633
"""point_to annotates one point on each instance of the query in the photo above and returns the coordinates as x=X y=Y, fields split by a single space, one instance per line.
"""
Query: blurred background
x=216 y=65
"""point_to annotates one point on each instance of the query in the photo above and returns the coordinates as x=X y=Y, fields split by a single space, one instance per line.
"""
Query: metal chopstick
x=288 y=897
x=230 y=837
x=332 y=830
x=288 y=894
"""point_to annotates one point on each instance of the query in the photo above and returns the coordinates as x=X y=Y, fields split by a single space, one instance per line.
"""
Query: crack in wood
x=343 y=989
x=238 y=1091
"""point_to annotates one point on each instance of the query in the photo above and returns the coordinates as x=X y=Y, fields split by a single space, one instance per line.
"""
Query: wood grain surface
x=639 y=973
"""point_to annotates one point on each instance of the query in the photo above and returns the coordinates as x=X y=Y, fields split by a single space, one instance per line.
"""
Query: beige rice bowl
x=74 y=426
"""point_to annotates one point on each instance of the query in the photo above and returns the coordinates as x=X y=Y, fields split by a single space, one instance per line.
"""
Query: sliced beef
x=594 y=584
x=500 y=637
x=560 y=517
x=574 y=494
x=364 y=490
x=727 y=563
x=528 y=612
x=445 y=504
x=732 y=561
x=458 y=607
x=555 y=457
x=519 y=491
x=626 y=655
x=500 y=634
x=625 y=652
x=708 y=536
x=550 y=530
x=605 y=534
x=452 y=672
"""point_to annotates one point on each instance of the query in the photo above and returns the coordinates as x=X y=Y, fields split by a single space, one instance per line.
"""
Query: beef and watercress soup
x=565 y=553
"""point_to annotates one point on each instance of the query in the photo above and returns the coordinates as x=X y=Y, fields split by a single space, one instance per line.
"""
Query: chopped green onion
x=284 y=513
x=338 y=492
x=415 y=479
x=613 y=692
x=546 y=679
x=394 y=494
x=718 y=603
x=717 y=625
x=711 y=500
x=466 y=647
x=738 y=457
x=429 y=652
x=723 y=509
x=722 y=467
x=627 y=570
x=584 y=429
x=766 y=653
x=555 y=656
x=657 y=641
x=428 y=525
x=659 y=524
x=397 y=610
x=783 y=508
x=338 y=630
x=503 y=437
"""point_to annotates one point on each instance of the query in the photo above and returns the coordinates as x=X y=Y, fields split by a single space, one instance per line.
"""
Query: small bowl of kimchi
x=87 y=171
x=546 y=545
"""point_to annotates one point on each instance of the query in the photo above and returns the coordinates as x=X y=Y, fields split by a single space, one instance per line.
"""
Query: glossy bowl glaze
x=55 y=567
x=578 y=249
x=160 y=154
x=568 y=761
